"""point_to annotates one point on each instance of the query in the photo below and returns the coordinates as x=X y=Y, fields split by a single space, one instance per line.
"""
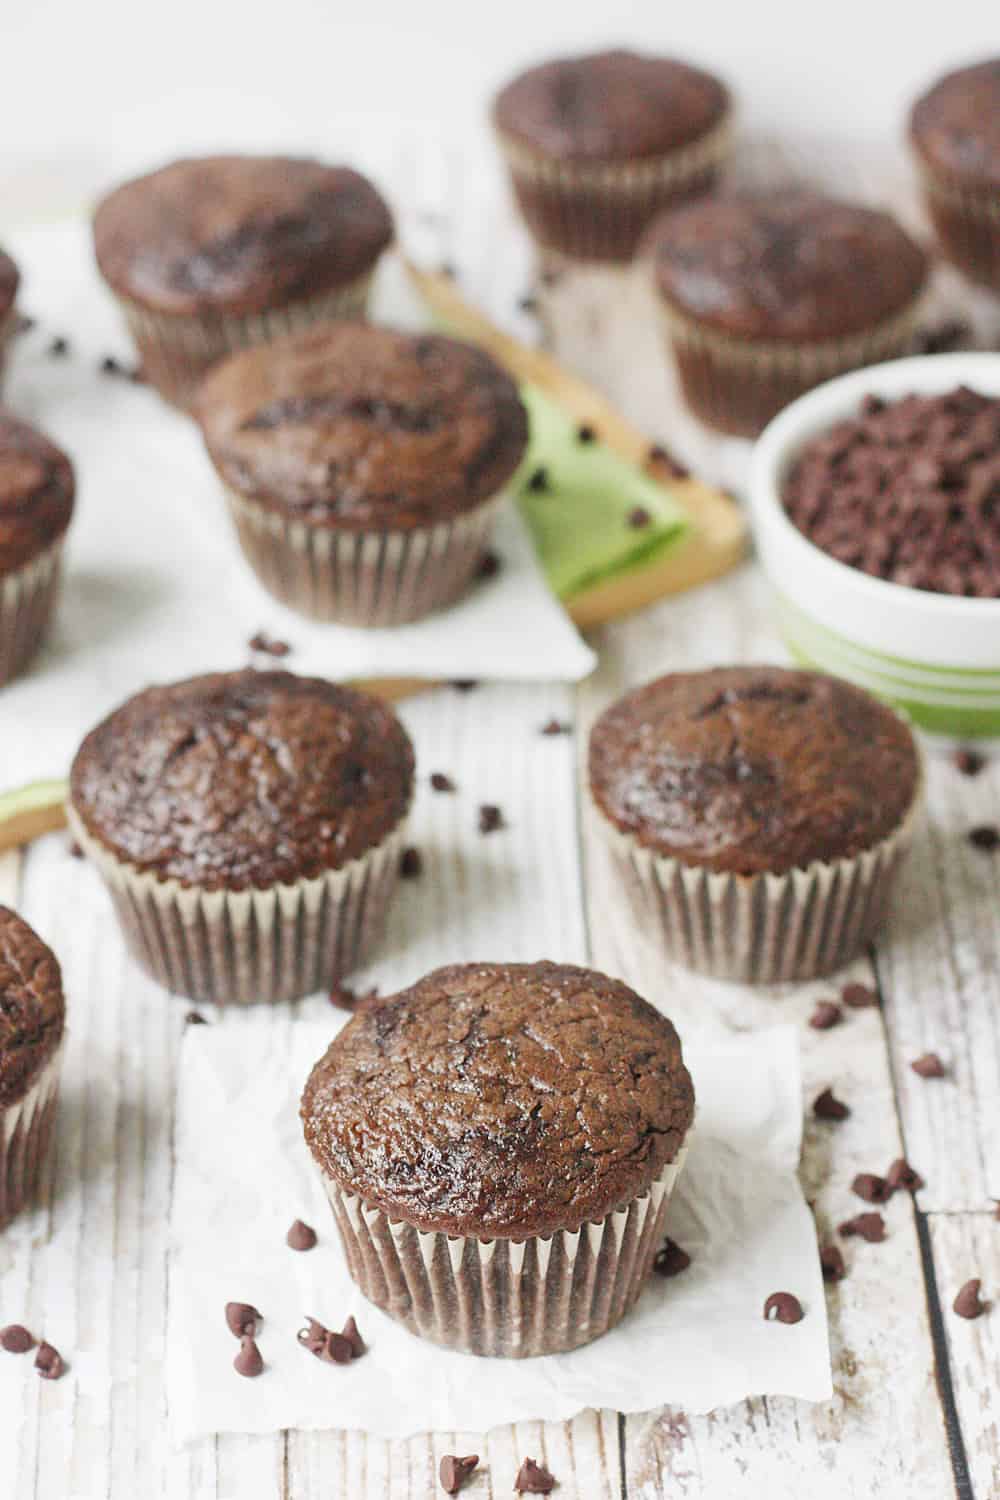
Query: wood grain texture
x=967 y=1245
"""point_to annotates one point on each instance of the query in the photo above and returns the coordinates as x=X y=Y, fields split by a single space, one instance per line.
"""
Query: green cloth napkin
x=580 y=519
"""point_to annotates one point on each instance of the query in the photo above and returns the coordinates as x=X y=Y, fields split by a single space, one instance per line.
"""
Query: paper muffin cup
x=967 y=224
x=8 y=332
x=27 y=602
x=598 y=211
x=177 y=350
x=25 y=1136
x=545 y=1294
x=249 y=946
x=759 y=929
x=371 y=578
x=738 y=385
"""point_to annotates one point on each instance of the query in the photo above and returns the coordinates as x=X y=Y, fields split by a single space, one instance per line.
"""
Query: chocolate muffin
x=36 y=502
x=210 y=254
x=363 y=467
x=955 y=133
x=766 y=295
x=32 y=1014
x=498 y=1143
x=10 y=280
x=756 y=815
x=598 y=145
x=248 y=826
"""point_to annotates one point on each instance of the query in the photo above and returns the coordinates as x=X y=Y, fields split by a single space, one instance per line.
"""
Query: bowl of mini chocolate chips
x=876 y=511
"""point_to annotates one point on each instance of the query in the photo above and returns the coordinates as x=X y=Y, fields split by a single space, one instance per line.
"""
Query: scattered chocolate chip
x=248 y=1362
x=929 y=1065
x=944 y=338
x=585 y=433
x=870 y=1227
x=556 y=726
x=827 y=1013
x=352 y=1335
x=454 y=1471
x=58 y=348
x=490 y=818
x=336 y=1350
x=332 y=1348
x=24 y=324
x=300 y=1236
x=448 y=268
x=538 y=480
x=831 y=1261
x=268 y=647
x=344 y=998
x=242 y=1319
x=859 y=996
x=782 y=1307
x=16 y=1339
x=314 y=1336
x=465 y=684
x=670 y=1259
x=826 y=1106
x=489 y=566
x=968 y=1303
x=195 y=1018
x=533 y=1479
x=901 y=1177
x=49 y=1362
x=111 y=366
x=441 y=783
x=528 y=303
x=872 y=1188
x=985 y=837
x=411 y=864
x=663 y=459
x=969 y=762
x=638 y=517
x=75 y=851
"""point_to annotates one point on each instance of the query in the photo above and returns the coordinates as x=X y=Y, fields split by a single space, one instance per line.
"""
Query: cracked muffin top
x=238 y=234
x=243 y=779
x=753 y=769
x=354 y=426
x=500 y=1100
x=955 y=126
x=36 y=493
x=32 y=1009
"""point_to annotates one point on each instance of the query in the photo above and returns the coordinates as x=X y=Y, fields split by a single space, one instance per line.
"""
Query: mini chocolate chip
x=195 y=1018
x=782 y=1307
x=638 y=517
x=488 y=566
x=870 y=1227
x=441 y=783
x=454 y=1471
x=664 y=459
x=826 y=1106
x=556 y=726
x=242 y=1319
x=872 y=1188
x=465 y=684
x=827 y=1013
x=336 y=1350
x=902 y=1177
x=16 y=1339
x=943 y=338
x=670 y=1259
x=411 y=864
x=928 y=1065
x=533 y=1479
x=985 y=837
x=314 y=1336
x=528 y=303
x=490 y=818
x=111 y=366
x=74 y=849
x=831 y=1262
x=49 y=1362
x=58 y=348
x=858 y=996
x=585 y=433
x=968 y=1303
x=352 y=1334
x=969 y=762
x=300 y=1236
x=538 y=480
x=248 y=1362
x=268 y=647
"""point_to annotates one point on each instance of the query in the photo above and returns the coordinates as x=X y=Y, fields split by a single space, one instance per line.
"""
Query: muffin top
x=243 y=779
x=753 y=769
x=32 y=1009
x=500 y=1100
x=10 y=280
x=955 y=126
x=36 y=493
x=354 y=426
x=785 y=265
x=237 y=234
x=609 y=106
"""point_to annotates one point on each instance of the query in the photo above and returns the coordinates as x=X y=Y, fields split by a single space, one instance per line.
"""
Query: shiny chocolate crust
x=785 y=266
x=32 y=1009
x=955 y=126
x=359 y=427
x=238 y=234
x=609 y=107
x=243 y=779
x=753 y=770
x=10 y=280
x=36 y=493
x=500 y=1100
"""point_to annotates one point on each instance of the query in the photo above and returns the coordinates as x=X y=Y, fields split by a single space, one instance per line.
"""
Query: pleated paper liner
x=176 y=351
x=363 y=578
x=598 y=211
x=967 y=224
x=244 y=947
x=27 y=602
x=25 y=1137
x=511 y=1298
x=760 y=929
x=8 y=333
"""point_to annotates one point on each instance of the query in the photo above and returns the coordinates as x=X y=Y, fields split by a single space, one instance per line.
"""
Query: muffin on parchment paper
x=10 y=280
x=37 y=491
x=364 y=467
x=211 y=254
x=498 y=1143
x=248 y=826
x=597 y=145
x=32 y=1017
x=755 y=815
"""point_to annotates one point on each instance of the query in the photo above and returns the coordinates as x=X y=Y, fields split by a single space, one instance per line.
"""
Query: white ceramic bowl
x=935 y=656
